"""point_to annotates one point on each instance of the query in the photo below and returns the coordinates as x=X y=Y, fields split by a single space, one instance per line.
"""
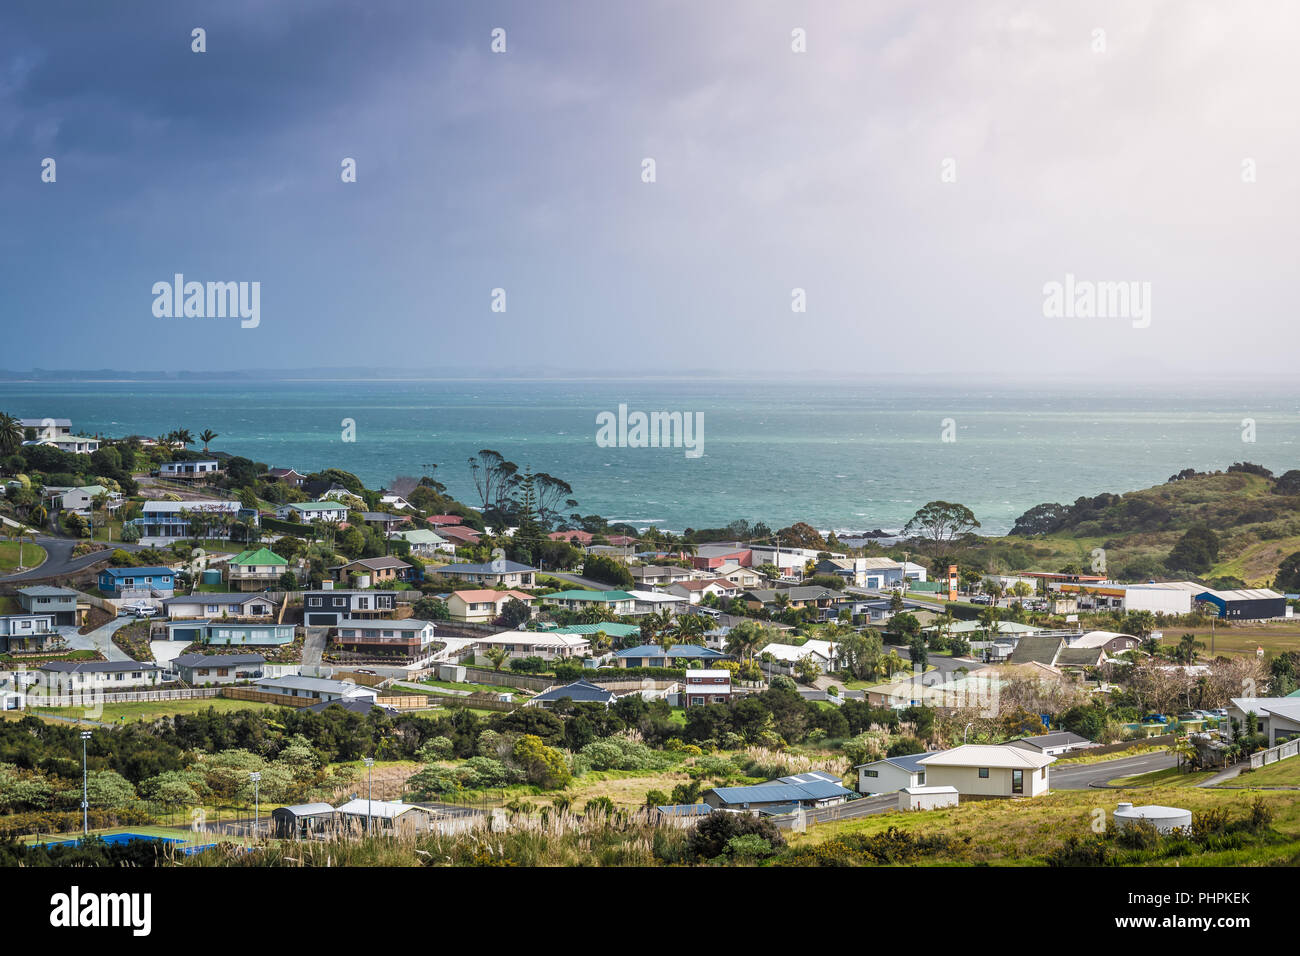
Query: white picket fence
x=1273 y=754
x=35 y=699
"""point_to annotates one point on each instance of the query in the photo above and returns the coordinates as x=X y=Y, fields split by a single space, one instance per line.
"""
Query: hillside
x=1254 y=515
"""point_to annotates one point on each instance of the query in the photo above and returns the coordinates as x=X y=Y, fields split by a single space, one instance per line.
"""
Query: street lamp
x=85 y=787
x=370 y=793
x=256 y=777
x=964 y=732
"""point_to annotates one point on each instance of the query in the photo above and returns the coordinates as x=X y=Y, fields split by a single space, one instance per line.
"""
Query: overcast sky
x=775 y=170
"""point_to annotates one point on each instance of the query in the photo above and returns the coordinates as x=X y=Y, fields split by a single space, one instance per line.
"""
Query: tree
x=11 y=434
x=940 y=523
x=497 y=656
x=916 y=650
x=1188 y=645
x=806 y=669
x=1197 y=550
x=494 y=477
x=860 y=653
x=514 y=612
x=207 y=436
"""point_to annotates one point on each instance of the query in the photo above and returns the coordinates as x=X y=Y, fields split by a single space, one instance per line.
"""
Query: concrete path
x=1221 y=776
x=100 y=639
x=313 y=646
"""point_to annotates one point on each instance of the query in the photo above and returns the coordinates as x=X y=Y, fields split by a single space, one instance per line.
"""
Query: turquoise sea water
x=842 y=456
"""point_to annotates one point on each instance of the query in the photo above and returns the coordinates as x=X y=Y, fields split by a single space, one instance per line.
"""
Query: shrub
x=711 y=835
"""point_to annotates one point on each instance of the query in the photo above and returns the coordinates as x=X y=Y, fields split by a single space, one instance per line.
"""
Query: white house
x=220 y=605
x=57 y=433
x=309 y=511
x=77 y=677
x=989 y=770
x=394 y=501
x=207 y=468
x=892 y=773
x=424 y=543
x=544 y=644
x=823 y=653
x=316 y=688
x=1279 y=717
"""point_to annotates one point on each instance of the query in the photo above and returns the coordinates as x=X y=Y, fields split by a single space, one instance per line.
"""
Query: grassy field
x=1023 y=832
x=33 y=555
x=1169 y=777
x=1284 y=773
x=152 y=710
x=1242 y=638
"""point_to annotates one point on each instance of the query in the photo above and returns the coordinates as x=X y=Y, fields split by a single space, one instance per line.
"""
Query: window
x=871 y=773
x=1017 y=781
x=984 y=773
x=920 y=778
x=314 y=602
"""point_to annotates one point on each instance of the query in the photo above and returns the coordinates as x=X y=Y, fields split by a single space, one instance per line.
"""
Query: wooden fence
x=262 y=697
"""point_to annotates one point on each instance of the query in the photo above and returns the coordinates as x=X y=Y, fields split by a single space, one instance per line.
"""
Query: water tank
x=451 y=672
x=363 y=582
x=1163 y=819
x=212 y=576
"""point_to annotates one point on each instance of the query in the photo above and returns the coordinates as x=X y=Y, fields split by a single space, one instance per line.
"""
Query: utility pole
x=370 y=769
x=256 y=777
x=85 y=787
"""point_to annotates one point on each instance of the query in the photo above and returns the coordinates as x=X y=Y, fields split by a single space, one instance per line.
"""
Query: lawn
x=32 y=554
x=1169 y=777
x=472 y=688
x=1284 y=773
x=1084 y=757
x=1022 y=832
x=152 y=710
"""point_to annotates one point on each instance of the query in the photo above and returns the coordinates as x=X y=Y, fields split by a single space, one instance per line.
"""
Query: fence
x=1265 y=757
x=122 y=697
x=505 y=678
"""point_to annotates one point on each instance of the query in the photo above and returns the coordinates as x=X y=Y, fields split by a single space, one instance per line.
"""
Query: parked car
x=1155 y=719
x=1221 y=713
x=1189 y=715
x=981 y=599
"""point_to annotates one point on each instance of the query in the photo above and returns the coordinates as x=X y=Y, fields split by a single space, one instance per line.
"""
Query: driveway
x=313 y=645
x=59 y=561
x=1063 y=776
x=100 y=639
x=579 y=580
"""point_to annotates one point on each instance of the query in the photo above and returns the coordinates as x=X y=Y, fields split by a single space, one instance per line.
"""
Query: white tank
x=1163 y=819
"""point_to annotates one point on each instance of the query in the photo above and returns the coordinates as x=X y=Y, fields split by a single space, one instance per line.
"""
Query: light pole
x=967 y=730
x=370 y=793
x=85 y=787
x=256 y=777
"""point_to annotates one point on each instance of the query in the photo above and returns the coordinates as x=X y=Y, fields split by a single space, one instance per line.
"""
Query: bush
x=712 y=834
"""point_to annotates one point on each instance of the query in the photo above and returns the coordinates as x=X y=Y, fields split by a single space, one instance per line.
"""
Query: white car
x=139 y=610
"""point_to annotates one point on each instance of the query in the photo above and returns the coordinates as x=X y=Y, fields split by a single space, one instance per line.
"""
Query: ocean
x=842 y=456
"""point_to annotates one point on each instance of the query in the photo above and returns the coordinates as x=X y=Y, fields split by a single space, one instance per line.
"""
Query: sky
x=922 y=172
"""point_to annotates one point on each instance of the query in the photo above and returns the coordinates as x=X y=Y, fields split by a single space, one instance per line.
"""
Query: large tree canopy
x=940 y=523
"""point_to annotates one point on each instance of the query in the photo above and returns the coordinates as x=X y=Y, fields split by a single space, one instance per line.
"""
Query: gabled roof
x=375 y=564
x=484 y=595
x=1040 y=650
x=217 y=660
x=259 y=556
x=490 y=567
x=46 y=590
x=611 y=629
x=136 y=572
x=219 y=598
x=688 y=651
x=987 y=755
x=97 y=667
x=777 y=792
x=908 y=763
x=599 y=597
x=580 y=691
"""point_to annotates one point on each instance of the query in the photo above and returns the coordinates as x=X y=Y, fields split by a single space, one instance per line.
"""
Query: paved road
x=1065 y=776
x=59 y=561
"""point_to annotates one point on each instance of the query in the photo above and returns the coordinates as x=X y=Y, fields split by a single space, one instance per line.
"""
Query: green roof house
x=255 y=570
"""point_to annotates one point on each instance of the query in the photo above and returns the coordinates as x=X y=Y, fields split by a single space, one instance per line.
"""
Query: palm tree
x=11 y=434
x=207 y=436
x=497 y=655
x=690 y=628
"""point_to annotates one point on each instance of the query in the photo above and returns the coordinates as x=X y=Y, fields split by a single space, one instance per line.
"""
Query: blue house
x=158 y=581
x=652 y=655
x=231 y=633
